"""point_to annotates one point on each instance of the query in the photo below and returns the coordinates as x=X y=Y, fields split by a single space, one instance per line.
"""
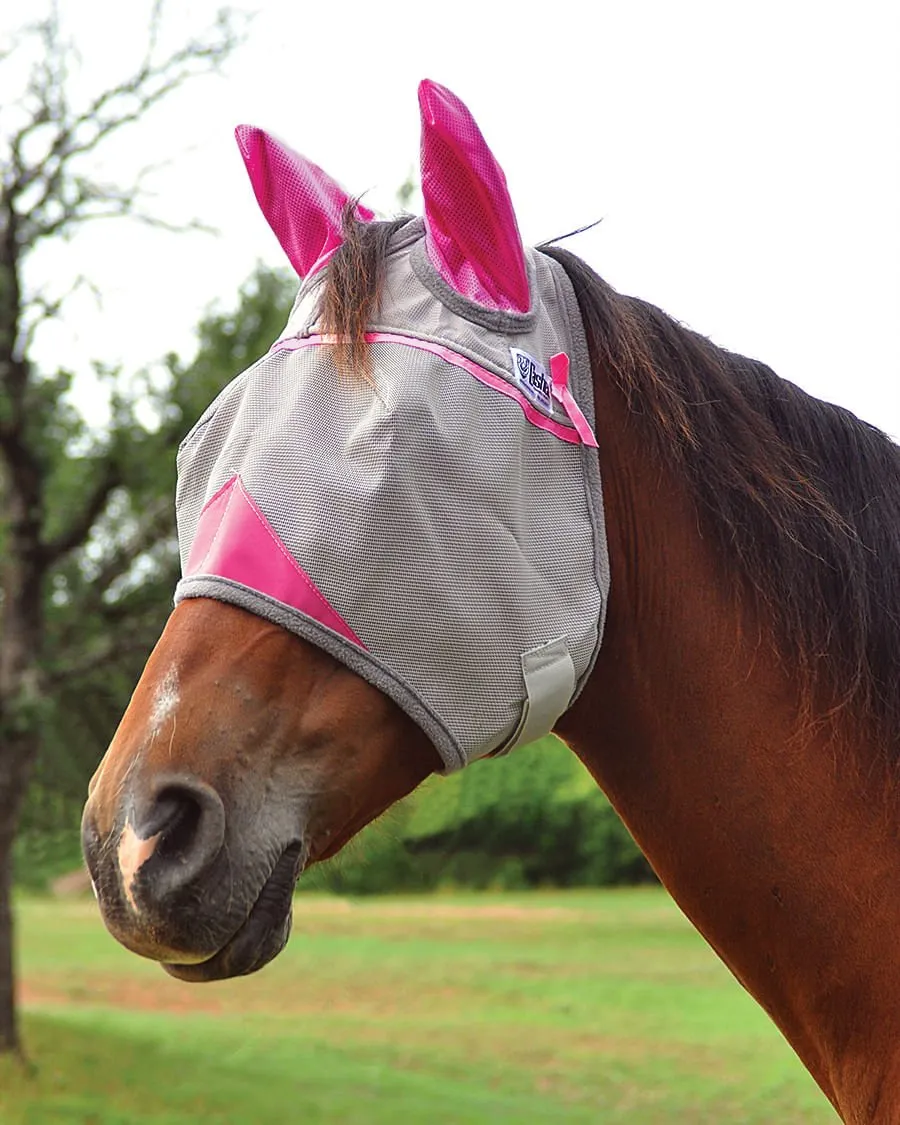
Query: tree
x=106 y=602
x=59 y=483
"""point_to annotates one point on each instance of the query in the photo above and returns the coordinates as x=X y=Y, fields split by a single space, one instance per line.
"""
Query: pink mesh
x=234 y=540
x=302 y=203
x=472 y=236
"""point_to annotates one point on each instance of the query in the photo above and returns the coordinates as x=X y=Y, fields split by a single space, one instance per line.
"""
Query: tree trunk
x=9 y=1025
x=18 y=749
x=45 y=194
x=21 y=639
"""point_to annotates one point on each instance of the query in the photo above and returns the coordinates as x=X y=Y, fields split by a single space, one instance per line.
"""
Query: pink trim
x=487 y=377
x=303 y=204
x=472 y=237
x=235 y=540
x=559 y=376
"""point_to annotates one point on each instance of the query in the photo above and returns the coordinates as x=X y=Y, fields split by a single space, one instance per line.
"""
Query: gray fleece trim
x=508 y=323
x=407 y=234
x=582 y=376
x=580 y=366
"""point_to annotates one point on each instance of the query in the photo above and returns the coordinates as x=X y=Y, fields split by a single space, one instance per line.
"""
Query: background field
x=599 y=1006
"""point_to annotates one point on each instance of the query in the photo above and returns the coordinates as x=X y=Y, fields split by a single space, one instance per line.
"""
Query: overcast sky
x=744 y=159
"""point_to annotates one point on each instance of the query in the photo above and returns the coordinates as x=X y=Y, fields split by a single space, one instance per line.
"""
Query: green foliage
x=42 y=855
x=379 y=861
x=48 y=841
x=108 y=598
x=228 y=342
x=533 y=819
x=536 y=818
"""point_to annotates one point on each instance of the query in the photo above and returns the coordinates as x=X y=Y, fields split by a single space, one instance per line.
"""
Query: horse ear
x=303 y=205
x=472 y=236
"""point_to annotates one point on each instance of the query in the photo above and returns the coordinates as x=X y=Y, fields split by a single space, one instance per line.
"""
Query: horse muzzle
x=169 y=890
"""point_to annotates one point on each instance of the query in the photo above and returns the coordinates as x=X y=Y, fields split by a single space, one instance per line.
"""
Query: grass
x=563 y=1008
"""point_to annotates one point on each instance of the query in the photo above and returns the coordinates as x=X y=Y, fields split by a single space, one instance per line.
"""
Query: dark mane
x=800 y=496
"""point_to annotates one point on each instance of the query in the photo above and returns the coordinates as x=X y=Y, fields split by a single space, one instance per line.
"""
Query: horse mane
x=352 y=289
x=800 y=497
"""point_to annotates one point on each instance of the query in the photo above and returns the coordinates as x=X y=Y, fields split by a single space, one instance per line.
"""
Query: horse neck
x=771 y=838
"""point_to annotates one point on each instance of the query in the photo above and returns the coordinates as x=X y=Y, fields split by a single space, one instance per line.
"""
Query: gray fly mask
x=439 y=529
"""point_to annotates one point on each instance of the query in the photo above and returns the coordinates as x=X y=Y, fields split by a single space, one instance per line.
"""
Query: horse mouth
x=263 y=933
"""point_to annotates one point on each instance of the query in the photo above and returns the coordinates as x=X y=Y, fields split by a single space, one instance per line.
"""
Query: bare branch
x=46 y=87
x=153 y=525
x=79 y=133
x=109 y=203
x=81 y=525
x=153 y=27
x=42 y=195
x=41 y=308
x=193 y=225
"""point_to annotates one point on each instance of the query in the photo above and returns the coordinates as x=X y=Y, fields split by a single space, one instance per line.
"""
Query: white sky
x=744 y=158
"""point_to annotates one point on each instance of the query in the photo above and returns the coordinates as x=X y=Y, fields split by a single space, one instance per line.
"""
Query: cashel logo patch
x=532 y=379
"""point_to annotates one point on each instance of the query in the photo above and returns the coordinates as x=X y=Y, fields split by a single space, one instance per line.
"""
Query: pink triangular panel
x=235 y=540
x=302 y=204
x=472 y=235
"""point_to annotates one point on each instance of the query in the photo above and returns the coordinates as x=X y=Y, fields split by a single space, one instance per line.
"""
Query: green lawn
x=576 y=1007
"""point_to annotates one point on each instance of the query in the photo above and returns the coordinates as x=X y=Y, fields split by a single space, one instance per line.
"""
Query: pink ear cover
x=472 y=236
x=302 y=203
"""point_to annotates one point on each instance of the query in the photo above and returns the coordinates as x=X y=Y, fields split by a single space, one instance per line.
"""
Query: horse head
x=387 y=570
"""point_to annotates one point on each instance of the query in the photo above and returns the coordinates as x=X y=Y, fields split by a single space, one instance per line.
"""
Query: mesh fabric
x=448 y=531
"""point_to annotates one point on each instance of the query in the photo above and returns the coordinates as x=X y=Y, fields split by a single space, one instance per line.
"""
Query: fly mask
x=438 y=526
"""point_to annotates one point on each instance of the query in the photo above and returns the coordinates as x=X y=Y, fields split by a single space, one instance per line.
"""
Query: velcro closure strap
x=549 y=676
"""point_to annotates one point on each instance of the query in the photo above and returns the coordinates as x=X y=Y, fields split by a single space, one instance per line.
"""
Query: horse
x=729 y=674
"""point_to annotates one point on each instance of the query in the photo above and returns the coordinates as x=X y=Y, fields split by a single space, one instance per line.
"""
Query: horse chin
x=263 y=933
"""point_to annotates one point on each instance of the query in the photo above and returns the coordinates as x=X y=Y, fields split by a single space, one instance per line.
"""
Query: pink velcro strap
x=559 y=377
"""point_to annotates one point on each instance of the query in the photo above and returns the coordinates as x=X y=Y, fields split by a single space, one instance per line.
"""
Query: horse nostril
x=177 y=814
x=188 y=819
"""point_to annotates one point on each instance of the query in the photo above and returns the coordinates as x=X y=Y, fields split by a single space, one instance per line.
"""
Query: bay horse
x=742 y=712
